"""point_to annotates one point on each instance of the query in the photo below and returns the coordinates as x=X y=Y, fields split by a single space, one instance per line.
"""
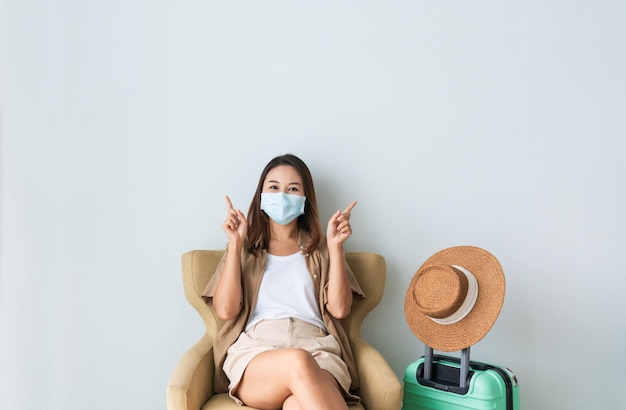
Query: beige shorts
x=286 y=333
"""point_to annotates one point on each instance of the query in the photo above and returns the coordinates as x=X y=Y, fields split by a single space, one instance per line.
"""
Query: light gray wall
x=485 y=123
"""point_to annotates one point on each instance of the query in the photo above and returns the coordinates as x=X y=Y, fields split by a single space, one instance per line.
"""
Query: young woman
x=282 y=288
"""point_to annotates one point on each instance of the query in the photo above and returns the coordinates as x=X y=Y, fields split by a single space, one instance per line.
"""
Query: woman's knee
x=301 y=362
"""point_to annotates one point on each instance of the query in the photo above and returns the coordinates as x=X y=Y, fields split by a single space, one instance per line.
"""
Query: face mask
x=282 y=208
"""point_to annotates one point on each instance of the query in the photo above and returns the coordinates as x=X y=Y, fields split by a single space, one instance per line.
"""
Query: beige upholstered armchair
x=191 y=384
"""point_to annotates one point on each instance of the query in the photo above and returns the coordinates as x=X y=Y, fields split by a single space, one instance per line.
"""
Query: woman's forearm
x=339 y=291
x=228 y=294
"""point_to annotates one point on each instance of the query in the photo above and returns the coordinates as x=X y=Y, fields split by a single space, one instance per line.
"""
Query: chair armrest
x=191 y=383
x=380 y=388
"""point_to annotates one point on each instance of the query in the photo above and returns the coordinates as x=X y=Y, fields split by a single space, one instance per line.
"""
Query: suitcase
x=438 y=382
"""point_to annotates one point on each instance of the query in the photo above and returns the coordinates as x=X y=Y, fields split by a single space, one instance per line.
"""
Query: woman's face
x=284 y=178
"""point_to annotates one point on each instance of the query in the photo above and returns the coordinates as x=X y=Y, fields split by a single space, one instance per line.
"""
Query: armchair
x=191 y=384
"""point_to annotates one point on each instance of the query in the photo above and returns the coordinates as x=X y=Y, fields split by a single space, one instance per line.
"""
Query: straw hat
x=455 y=298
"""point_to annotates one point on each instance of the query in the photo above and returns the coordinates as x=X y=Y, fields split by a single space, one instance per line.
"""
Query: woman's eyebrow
x=273 y=181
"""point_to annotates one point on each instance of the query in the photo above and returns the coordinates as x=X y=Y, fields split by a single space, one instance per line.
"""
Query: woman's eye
x=293 y=189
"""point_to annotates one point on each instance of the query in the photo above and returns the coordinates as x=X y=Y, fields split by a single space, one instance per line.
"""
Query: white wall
x=123 y=125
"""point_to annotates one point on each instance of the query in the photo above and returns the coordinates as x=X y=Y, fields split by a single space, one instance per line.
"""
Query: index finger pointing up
x=349 y=207
x=228 y=203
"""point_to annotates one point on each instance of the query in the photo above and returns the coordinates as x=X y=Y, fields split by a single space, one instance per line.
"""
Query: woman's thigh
x=265 y=382
x=275 y=375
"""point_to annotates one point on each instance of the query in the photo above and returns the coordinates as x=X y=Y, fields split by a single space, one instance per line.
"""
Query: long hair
x=258 y=221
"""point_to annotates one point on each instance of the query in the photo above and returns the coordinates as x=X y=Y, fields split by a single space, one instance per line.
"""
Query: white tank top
x=286 y=290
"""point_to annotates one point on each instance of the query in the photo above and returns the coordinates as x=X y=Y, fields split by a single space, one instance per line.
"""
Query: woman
x=282 y=288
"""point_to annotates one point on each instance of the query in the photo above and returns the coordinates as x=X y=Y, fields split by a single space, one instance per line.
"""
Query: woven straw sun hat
x=455 y=298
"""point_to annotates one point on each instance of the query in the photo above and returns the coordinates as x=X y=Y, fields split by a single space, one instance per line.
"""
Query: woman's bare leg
x=291 y=404
x=292 y=376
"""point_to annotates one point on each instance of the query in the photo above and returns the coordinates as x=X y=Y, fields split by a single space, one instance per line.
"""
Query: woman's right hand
x=236 y=225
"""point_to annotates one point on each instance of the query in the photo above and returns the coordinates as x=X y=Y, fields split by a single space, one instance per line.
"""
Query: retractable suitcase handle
x=465 y=365
x=508 y=377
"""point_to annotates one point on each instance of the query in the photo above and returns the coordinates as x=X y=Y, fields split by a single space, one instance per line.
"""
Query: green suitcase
x=437 y=382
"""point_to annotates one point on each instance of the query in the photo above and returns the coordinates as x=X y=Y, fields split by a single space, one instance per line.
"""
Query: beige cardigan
x=252 y=268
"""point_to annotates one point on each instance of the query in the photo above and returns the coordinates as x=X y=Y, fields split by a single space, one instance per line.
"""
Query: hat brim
x=473 y=327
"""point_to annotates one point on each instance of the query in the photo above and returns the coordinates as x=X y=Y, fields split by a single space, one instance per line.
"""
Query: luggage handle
x=465 y=365
x=509 y=378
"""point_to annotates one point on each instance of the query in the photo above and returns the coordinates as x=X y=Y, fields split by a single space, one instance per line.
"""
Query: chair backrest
x=369 y=268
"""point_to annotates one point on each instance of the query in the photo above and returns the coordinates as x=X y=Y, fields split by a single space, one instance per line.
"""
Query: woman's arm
x=339 y=292
x=228 y=296
x=227 y=299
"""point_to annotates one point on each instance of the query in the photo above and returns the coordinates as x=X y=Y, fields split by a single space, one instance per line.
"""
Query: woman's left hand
x=339 y=228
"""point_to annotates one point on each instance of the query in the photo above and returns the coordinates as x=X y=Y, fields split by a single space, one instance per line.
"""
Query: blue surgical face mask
x=281 y=207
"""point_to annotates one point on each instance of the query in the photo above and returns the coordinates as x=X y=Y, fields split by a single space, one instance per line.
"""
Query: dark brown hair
x=258 y=221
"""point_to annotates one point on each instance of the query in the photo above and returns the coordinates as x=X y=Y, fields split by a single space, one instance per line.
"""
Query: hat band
x=468 y=303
